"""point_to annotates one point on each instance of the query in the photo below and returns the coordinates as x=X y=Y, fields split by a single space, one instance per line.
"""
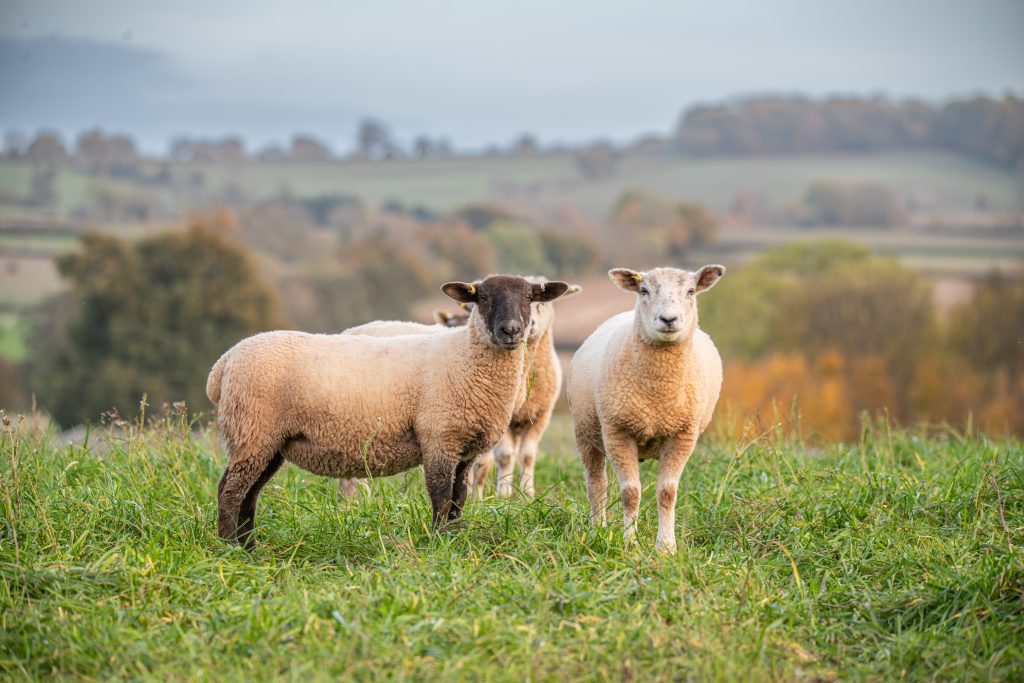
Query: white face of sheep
x=543 y=314
x=666 y=307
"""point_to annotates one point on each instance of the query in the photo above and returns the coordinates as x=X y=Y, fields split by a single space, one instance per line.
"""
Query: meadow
x=897 y=556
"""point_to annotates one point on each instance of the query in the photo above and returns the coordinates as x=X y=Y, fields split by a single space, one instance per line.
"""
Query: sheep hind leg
x=239 y=478
x=247 y=513
x=597 y=481
x=480 y=470
x=527 y=448
x=504 y=457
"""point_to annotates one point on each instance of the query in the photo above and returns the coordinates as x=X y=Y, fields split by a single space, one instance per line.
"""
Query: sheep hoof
x=665 y=547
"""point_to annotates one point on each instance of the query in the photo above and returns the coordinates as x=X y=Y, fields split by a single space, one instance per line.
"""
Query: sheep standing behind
x=344 y=405
x=644 y=385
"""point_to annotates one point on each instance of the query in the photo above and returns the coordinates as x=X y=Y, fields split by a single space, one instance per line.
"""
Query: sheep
x=532 y=415
x=343 y=405
x=644 y=385
x=457 y=319
x=533 y=412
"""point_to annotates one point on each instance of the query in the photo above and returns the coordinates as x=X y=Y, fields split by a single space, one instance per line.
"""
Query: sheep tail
x=213 y=381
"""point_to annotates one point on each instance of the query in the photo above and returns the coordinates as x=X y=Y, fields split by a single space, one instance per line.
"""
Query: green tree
x=144 y=317
x=988 y=330
x=518 y=247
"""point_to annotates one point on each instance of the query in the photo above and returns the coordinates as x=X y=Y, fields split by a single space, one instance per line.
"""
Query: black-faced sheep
x=343 y=405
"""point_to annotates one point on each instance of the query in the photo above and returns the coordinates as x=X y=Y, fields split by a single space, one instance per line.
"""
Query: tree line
x=986 y=128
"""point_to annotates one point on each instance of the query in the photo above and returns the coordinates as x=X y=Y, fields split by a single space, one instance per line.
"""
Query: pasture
x=896 y=557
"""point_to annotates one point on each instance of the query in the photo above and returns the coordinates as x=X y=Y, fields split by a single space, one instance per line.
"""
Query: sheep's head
x=543 y=314
x=458 y=318
x=502 y=304
x=666 y=306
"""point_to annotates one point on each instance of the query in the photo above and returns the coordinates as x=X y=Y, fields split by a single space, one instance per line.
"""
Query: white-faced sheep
x=343 y=405
x=644 y=385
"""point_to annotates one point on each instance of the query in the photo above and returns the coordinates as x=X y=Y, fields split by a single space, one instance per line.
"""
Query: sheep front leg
x=504 y=456
x=350 y=488
x=528 y=449
x=674 y=457
x=622 y=450
x=439 y=471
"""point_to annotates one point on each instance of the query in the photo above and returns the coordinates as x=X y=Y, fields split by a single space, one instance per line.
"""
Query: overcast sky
x=475 y=71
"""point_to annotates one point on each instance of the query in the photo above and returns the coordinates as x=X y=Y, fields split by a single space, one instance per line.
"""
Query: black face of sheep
x=503 y=302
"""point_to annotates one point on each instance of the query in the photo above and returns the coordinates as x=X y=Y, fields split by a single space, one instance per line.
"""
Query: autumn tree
x=651 y=228
x=144 y=317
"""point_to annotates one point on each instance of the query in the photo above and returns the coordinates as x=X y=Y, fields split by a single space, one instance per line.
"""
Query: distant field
x=12 y=337
x=25 y=281
x=940 y=255
x=933 y=180
x=896 y=558
x=440 y=185
x=73 y=189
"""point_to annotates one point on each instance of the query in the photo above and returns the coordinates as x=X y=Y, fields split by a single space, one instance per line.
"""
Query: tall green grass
x=897 y=557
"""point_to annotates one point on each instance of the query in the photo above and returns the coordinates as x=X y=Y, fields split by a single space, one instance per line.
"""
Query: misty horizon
x=476 y=76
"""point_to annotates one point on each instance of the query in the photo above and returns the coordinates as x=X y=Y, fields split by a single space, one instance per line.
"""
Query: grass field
x=12 y=337
x=895 y=558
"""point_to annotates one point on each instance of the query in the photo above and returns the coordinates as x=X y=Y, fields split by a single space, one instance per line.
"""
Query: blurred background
x=176 y=176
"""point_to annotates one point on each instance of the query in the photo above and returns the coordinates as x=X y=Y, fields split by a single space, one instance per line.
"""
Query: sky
x=475 y=71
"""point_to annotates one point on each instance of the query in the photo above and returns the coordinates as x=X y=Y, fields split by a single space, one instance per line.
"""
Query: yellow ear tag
x=472 y=288
x=638 y=277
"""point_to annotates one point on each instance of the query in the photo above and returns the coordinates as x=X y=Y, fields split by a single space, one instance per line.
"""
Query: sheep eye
x=482 y=298
x=691 y=292
x=644 y=291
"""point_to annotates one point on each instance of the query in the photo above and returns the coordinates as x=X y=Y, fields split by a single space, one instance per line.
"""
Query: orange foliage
x=826 y=399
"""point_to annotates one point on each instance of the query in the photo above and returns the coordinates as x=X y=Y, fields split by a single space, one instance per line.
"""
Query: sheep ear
x=573 y=290
x=708 y=276
x=466 y=307
x=626 y=279
x=548 y=291
x=463 y=292
x=442 y=317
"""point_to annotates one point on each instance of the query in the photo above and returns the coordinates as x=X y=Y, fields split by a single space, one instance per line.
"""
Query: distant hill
x=74 y=85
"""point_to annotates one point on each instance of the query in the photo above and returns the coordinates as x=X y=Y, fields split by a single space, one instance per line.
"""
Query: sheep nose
x=668 y=320
x=511 y=328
